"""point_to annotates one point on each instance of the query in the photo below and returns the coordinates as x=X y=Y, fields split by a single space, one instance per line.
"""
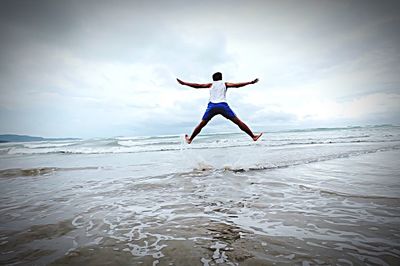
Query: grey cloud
x=125 y=31
x=331 y=34
x=317 y=37
x=121 y=31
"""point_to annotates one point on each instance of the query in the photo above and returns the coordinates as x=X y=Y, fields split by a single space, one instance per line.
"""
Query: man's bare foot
x=188 y=139
x=256 y=137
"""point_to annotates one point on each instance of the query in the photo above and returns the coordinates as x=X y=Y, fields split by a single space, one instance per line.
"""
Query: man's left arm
x=240 y=84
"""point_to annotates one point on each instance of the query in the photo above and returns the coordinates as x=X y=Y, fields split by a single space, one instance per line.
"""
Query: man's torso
x=218 y=92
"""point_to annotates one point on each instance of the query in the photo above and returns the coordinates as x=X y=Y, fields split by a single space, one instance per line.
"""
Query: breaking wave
x=156 y=146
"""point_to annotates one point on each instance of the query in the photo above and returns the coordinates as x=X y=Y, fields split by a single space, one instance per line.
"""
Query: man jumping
x=218 y=105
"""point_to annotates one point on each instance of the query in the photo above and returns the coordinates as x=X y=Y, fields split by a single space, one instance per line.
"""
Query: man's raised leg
x=196 y=131
x=245 y=128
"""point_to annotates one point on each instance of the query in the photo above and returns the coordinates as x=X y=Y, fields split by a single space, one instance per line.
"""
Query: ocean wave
x=48 y=145
x=5 y=150
x=40 y=171
x=330 y=141
x=43 y=171
x=344 y=194
x=139 y=138
x=291 y=163
x=115 y=147
x=206 y=141
x=131 y=143
x=341 y=128
x=330 y=138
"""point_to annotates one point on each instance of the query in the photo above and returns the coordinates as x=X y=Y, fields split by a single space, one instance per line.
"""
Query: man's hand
x=180 y=81
x=254 y=81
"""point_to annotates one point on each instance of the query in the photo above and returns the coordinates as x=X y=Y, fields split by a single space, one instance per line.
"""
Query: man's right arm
x=195 y=85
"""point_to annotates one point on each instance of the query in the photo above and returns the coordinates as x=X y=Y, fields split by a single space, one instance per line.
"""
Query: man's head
x=217 y=76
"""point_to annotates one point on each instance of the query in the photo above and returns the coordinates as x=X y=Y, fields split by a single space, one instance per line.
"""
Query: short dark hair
x=217 y=76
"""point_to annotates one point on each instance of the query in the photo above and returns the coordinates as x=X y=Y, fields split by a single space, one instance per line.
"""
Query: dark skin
x=235 y=119
x=208 y=85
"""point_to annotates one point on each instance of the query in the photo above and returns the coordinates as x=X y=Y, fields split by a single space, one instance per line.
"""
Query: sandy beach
x=316 y=197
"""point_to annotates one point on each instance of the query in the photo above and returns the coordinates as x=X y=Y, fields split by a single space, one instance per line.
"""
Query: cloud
x=96 y=68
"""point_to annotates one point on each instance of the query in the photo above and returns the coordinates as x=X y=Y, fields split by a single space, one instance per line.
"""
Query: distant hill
x=25 y=138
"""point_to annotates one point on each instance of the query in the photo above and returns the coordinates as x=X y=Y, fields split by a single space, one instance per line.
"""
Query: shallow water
x=317 y=197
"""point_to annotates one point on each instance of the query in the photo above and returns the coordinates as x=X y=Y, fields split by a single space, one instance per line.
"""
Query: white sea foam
x=54 y=144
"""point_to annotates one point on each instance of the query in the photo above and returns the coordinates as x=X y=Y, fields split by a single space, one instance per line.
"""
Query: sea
x=324 y=196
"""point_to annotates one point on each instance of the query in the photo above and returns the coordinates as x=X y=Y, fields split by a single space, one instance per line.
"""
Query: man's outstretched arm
x=195 y=85
x=240 y=84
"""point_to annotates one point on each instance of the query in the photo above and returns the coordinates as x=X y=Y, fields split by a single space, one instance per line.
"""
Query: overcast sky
x=108 y=68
